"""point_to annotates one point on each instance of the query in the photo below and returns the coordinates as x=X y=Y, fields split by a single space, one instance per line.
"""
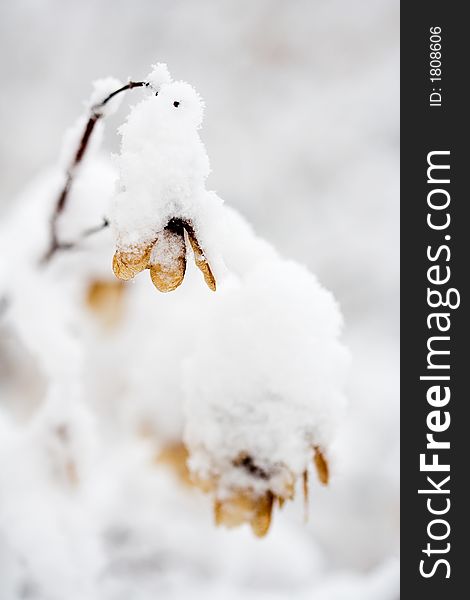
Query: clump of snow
x=158 y=76
x=102 y=88
x=267 y=381
x=163 y=166
x=167 y=250
x=89 y=199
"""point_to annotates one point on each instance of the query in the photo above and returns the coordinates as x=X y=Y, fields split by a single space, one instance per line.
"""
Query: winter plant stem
x=95 y=115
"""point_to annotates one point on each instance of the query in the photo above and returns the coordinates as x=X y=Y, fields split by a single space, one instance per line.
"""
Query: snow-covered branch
x=97 y=112
x=246 y=383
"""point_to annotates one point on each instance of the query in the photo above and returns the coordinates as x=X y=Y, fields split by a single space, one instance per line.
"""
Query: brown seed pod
x=234 y=511
x=321 y=465
x=200 y=260
x=167 y=281
x=128 y=263
x=105 y=299
x=245 y=507
x=175 y=456
x=168 y=259
x=261 y=521
x=306 y=495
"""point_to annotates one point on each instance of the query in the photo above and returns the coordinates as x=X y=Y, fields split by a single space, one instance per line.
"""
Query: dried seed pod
x=208 y=486
x=261 y=521
x=168 y=259
x=200 y=259
x=321 y=465
x=105 y=299
x=176 y=456
x=245 y=507
x=234 y=511
x=128 y=263
x=306 y=495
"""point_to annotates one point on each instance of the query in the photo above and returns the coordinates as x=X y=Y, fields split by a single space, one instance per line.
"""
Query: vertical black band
x=435 y=259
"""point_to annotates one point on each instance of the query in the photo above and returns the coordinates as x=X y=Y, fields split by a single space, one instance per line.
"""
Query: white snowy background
x=301 y=128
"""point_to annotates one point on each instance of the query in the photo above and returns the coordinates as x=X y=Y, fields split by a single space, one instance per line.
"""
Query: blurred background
x=301 y=127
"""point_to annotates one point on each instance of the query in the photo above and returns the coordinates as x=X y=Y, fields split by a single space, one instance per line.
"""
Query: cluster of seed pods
x=165 y=257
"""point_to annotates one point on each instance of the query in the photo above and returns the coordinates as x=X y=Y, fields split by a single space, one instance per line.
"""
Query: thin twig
x=95 y=116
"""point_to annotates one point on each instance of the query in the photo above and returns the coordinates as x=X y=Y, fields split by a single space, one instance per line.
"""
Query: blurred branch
x=95 y=115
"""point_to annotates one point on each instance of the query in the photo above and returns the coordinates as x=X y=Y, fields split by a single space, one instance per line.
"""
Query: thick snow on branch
x=163 y=166
x=241 y=389
x=263 y=388
x=158 y=76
